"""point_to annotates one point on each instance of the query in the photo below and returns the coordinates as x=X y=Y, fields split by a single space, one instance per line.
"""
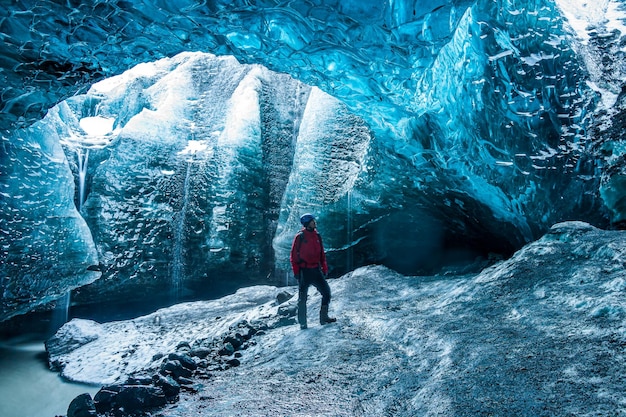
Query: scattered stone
x=203 y=375
x=179 y=370
x=233 y=362
x=288 y=310
x=235 y=340
x=184 y=359
x=104 y=398
x=135 y=380
x=189 y=388
x=283 y=296
x=185 y=381
x=130 y=398
x=175 y=369
x=227 y=350
x=286 y=321
x=183 y=346
x=82 y=406
x=170 y=387
x=259 y=325
x=247 y=332
x=200 y=352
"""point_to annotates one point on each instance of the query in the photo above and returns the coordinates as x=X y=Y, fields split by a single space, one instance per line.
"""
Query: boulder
x=227 y=349
x=283 y=296
x=82 y=406
x=200 y=352
x=287 y=310
x=170 y=387
x=130 y=398
x=175 y=369
x=236 y=340
x=185 y=360
x=233 y=362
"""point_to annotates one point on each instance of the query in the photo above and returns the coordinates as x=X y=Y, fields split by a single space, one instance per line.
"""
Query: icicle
x=83 y=159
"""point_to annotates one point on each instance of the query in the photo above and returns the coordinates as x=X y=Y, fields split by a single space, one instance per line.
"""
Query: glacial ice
x=460 y=130
x=539 y=334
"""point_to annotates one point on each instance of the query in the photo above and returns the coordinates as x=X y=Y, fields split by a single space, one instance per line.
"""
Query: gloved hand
x=297 y=277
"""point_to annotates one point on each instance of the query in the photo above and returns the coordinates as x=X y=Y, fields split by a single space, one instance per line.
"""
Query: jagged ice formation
x=435 y=132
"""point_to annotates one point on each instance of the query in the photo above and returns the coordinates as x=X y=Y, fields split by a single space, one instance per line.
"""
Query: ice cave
x=465 y=159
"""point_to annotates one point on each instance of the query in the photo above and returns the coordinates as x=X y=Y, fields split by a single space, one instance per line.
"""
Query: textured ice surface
x=187 y=195
x=46 y=246
x=539 y=334
x=460 y=129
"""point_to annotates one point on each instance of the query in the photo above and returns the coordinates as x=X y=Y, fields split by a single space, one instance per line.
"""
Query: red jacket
x=307 y=251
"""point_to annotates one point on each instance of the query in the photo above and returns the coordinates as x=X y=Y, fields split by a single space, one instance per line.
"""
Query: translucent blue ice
x=422 y=133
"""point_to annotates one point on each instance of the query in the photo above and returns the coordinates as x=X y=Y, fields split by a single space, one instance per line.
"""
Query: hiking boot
x=324 y=319
x=302 y=314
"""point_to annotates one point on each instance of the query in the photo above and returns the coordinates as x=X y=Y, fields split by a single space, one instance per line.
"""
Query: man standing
x=308 y=262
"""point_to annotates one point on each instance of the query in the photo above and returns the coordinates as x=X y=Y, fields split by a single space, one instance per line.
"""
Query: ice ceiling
x=487 y=122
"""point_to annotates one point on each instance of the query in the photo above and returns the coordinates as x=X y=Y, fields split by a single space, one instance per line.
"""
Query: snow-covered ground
x=541 y=334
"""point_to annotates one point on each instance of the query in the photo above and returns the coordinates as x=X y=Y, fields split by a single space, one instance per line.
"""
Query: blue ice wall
x=423 y=133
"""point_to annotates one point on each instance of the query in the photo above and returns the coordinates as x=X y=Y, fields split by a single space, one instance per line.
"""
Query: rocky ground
x=541 y=334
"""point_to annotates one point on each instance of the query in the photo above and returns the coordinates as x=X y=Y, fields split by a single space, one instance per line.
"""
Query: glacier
x=465 y=160
x=427 y=136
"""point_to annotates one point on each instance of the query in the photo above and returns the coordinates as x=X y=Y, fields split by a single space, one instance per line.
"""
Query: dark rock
x=233 y=362
x=203 y=375
x=286 y=321
x=247 y=332
x=135 y=380
x=131 y=398
x=283 y=296
x=200 y=352
x=140 y=397
x=287 y=310
x=236 y=340
x=183 y=346
x=104 y=399
x=227 y=350
x=184 y=359
x=185 y=381
x=259 y=325
x=170 y=387
x=175 y=368
x=82 y=406
x=189 y=388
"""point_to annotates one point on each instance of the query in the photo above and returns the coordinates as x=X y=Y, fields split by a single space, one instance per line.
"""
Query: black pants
x=308 y=277
x=313 y=276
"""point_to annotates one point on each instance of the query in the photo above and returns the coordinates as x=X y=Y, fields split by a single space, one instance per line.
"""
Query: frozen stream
x=27 y=387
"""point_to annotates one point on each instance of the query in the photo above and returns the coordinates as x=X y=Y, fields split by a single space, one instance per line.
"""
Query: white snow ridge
x=542 y=334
